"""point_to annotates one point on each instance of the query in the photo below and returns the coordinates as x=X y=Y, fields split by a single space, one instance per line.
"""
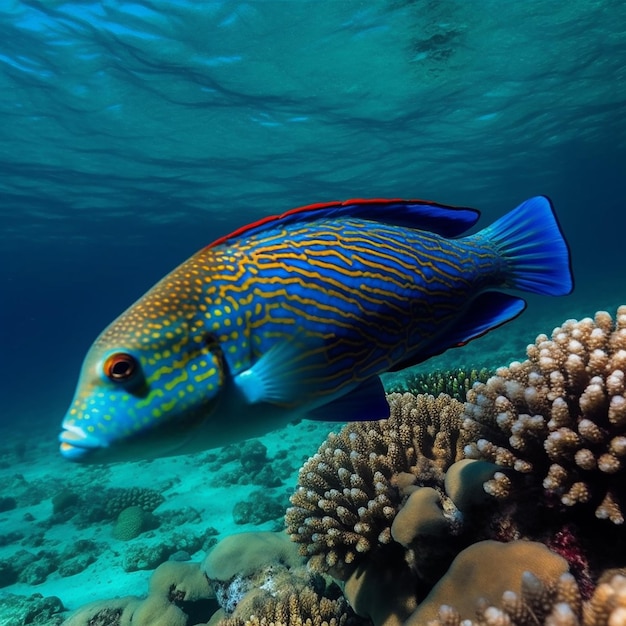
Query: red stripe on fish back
x=315 y=207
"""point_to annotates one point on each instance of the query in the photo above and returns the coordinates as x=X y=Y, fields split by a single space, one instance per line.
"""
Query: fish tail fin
x=529 y=238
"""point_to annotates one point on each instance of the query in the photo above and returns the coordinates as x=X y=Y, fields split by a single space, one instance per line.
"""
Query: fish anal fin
x=365 y=402
x=486 y=312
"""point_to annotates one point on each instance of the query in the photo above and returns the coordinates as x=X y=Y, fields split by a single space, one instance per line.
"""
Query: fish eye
x=120 y=366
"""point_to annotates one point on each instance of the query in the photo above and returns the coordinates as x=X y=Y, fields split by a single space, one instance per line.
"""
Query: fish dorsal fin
x=419 y=214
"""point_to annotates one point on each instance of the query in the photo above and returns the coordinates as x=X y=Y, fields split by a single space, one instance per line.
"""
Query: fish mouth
x=76 y=444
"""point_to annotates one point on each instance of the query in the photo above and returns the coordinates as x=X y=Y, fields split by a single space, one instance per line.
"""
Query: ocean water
x=134 y=133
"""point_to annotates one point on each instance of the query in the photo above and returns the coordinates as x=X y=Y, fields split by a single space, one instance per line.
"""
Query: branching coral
x=551 y=604
x=302 y=608
x=259 y=579
x=350 y=491
x=560 y=416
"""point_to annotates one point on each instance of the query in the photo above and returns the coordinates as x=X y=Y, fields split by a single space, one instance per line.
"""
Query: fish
x=297 y=315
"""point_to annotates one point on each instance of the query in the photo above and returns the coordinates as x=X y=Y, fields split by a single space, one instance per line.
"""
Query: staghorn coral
x=560 y=416
x=608 y=604
x=455 y=383
x=350 y=491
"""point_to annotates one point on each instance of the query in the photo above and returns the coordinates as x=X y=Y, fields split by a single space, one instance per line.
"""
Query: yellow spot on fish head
x=180 y=370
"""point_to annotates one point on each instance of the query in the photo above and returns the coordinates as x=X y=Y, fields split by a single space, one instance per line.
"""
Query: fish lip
x=75 y=444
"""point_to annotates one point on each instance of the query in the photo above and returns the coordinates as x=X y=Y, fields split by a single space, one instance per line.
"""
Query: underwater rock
x=103 y=612
x=175 y=518
x=77 y=557
x=39 y=569
x=144 y=556
x=8 y=573
x=179 y=594
x=63 y=500
x=181 y=582
x=141 y=556
x=258 y=508
x=16 y=610
x=253 y=455
x=7 y=503
x=9 y=538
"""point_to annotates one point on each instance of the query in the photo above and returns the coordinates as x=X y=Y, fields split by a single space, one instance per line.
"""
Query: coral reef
x=176 y=591
x=140 y=555
x=249 y=578
x=260 y=507
x=553 y=604
x=120 y=499
x=350 y=491
x=303 y=606
x=471 y=576
x=131 y=522
x=455 y=383
x=259 y=578
x=560 y=416
x=7 y=503
x=240 y=563
x=63 y=500
x=505 y=510
x=34 y=568
x=247 y=464
x=398 y=508
x=36 y=609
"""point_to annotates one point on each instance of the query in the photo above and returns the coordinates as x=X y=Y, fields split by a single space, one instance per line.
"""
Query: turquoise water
x=135 y=133
x=132 y=134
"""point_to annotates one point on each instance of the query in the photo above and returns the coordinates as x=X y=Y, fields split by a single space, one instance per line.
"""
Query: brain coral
x=131 y=522
x=560 y=416
x=350 y=491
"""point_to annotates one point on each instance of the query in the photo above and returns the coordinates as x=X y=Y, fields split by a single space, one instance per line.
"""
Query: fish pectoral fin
x=284 y=375
x=488 y=311
x=365 y=402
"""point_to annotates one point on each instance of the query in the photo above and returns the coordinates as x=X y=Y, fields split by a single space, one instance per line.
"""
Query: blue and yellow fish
x=297 y=315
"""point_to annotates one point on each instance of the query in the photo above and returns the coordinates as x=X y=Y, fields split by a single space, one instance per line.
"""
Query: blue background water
x=132 y=134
